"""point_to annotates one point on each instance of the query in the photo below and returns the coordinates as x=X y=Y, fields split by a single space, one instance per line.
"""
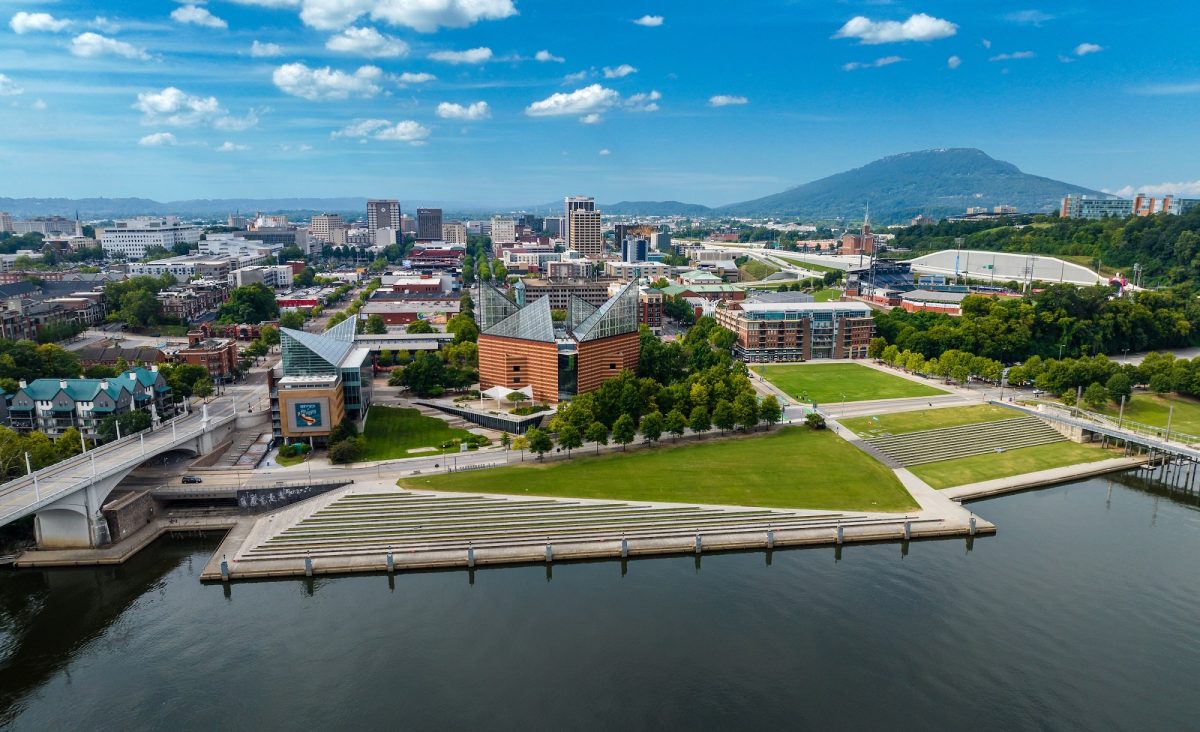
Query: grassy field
x=1152 y=409
x=827 y=295
x=806 y=265
x=949 y=473
x=925 y=419
x=392 y=432
x=826 y=383
x=288 y=460
x=754 y=270
x=792 y=467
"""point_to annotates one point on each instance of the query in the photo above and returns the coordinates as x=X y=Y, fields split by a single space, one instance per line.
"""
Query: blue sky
x=510 y=102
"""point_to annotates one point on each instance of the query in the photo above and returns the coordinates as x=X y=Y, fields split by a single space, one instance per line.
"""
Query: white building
x=275 y=276
x=454 y=233
x=183 y=267
x=323 y=224
x=130 y=238
x=504 y=230
x=242 y=252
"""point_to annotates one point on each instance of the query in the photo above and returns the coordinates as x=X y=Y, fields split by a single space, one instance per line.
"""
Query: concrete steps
x=929 y=446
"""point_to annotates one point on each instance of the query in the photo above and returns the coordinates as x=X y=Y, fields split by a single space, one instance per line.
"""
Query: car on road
x=1038 y=392
x=192 y=479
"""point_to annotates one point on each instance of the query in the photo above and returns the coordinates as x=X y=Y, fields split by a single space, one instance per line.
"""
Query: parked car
x=192 y=479
x=1038 y=392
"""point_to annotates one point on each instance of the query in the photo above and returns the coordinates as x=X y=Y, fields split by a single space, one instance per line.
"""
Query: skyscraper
x=583 y=233
x=429 y=224
x=382 y=212
x=572 y=204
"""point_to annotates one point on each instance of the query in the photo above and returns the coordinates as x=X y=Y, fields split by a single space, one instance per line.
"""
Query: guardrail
x=1119 y=423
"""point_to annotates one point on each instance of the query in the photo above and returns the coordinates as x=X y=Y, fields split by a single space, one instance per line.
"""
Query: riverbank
x=1040 y=478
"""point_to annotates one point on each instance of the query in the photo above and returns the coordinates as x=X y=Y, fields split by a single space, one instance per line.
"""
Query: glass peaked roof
x=306 y=354
x=531 y=323
x=343 y=331
x=619 y=314
x=578 y=311
x=493 y=307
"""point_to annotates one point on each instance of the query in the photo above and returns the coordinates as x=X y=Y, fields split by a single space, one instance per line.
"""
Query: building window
x=516 y=369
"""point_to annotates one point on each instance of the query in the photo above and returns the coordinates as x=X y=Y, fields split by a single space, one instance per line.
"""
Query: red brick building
x=793 y=331
x=218 y=355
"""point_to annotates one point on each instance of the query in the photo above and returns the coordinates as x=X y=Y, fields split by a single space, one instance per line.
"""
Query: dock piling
x=624 y=547
x=770 y=537
x=308 y=567
x=840 y=534
x=224 y=568
x=907 y=530
x=470 y=555
x=549 y=551
x=699 y=545
x=971 y=529
x=391 y=563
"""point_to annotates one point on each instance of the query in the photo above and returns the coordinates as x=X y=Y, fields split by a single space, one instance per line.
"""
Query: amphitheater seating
x=930 y=446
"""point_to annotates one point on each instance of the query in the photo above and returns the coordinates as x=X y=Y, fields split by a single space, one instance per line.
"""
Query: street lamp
x=1126 y=355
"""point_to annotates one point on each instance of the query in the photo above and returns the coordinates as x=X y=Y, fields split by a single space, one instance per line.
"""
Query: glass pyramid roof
x=531 y=323
x=619 y=314
x=343 y=331
x=306 y=354
x=578 y=311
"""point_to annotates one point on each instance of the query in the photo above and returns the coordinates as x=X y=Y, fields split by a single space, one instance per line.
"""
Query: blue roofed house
x=52 y=406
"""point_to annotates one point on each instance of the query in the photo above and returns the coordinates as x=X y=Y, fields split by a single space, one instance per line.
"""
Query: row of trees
x=134 y=300
x=27 y=360
x=957 y=365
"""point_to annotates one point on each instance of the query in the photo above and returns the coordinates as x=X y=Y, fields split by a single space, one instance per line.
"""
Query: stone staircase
x=950 y=443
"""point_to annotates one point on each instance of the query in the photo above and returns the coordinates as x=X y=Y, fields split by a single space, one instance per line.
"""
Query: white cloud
x=382 y=129
x=986 y=43
x=424 y=16
x=1015 y=56
x=24 y=22
x=885 y=61
x=259 y=49
x=196 y=15
x=158 y=139
x=228 y=146
x=100 y=22
x=577 y=76
x=644 y=102
x=1155 y=90
x=724 y=100
x=470 y=56
x=475 y=111
x=649 y=21
x=919 y=27
x=176 y=108
x=367 y=42
x=303 y=147
x=954 y=62
x=588 y=102
x=39 y=104
x=326 y=83
x=8 y=87
x=409 y=77
x=1029 y=17
x=94 y=45
x=545 y=56
x=618 y=72
x=605 y=151
x=1084 y=49
x=1189 y=189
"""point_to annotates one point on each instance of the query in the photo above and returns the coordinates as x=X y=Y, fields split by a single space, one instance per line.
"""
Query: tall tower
x=429 y=224
x=382 y=213
x=583 y=233
x=572 y=204
x=78 y=225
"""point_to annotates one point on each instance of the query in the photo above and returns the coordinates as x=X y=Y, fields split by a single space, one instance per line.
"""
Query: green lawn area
x=925 y=419
x=288 y=460
x=826 y=383
x=806 y=265
x=754 y=270
x=792 y=467
x=1152 y=409
x=392 y=432
x=826 y=295
x=949 y=473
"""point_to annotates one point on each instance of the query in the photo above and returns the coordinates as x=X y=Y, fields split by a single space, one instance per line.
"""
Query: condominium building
x=429 y=224
x=323 y=225
x=583 y=233
x=218 y=355
x=6 y=222
x=797 y=331
x=504 y=230
x=130 y=238
x=242 y=252
x=184 y=267
x=52 y=406
x=275 y=276
x=382 y=212
x=571 y=204
x=454 y=233
x=561 y=292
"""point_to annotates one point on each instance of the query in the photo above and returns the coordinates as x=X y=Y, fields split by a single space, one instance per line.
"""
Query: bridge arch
x=64 y=528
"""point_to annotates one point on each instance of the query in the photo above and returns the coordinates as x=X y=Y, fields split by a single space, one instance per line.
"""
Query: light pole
x=843 y=410
x=1060 y=350
x=1126 y=355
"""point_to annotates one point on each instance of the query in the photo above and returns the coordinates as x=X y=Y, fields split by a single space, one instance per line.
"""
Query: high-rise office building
x=382 y=212
x=504 y=230
x=633 y=249
x=429 y=224
x=323 y=224
x=555 y=226
x=454 y=232
x=571 y=204
x=583 y=233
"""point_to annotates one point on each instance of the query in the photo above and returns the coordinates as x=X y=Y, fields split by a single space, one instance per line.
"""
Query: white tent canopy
x=502 y=392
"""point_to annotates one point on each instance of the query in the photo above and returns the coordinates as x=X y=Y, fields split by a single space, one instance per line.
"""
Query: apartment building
x=797 y=331
x=130 y=238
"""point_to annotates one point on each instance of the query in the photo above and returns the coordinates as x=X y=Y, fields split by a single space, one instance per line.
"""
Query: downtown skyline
x=514 y=102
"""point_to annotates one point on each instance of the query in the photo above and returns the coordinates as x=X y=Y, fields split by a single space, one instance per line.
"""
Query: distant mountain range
x=932 y=182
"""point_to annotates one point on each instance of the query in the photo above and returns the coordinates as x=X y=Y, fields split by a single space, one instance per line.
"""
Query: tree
x=343 y=430
x=539 y=441
x=1119 y=385
x=419 y=326
x=202 y=388
x=424 y=375
x=676 y=423
x=875 y=349
x=292 y=319
x=745 y=410
x=376 y=326
x=570 y=438
x=306 y=277
x=1095 y=396
x=769 y=410
x=346 y=451
x=652 y=426
x=597 y=433
x=132 y=421
x=269 y=335
x=699 y=421
x=249 y=304
x=723 y=416
x=623 y=430
x=814 y=421
x=100 y=371
x=521 y=443
x=463 y=327
x=69 y=443
x=505 y=440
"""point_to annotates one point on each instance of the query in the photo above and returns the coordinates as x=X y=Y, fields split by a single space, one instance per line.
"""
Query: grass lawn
x=792 y=467
x=392 y=432
x=827 y=295
x=826 y=383
x=949 y=473
x=1152 y=409
x=754 y=270
x=806 y=265
x=925 y=419
x=288 y=460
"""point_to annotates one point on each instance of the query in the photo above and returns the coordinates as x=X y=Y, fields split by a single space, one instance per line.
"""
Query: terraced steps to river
x=950 y=443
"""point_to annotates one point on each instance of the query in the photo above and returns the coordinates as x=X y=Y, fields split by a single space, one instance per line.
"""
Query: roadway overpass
x=66 y=497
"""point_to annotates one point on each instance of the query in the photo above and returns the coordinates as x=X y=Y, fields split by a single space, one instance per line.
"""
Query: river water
x=1080 y=614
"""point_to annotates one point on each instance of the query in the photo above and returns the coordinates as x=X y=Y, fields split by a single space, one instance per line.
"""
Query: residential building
x=584 y=235
x=241 y=251
x=560 y=292
x=110 y=353
x=522 y=347
x=454 y=233
x=650 y=309
x=320 y=380
x=626 y=271
x=504 y=230
x=797 y=331
x=382 y=212
x=52 y=406
x=184 y=267
x=190 y=300
x=322 y=225
x=130 y=238
x=572 y=204
x=6 y=222
x=218 y=355
x=429 y=224
x=275 y=276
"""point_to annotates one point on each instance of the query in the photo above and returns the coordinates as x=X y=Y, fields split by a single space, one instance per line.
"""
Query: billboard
x=309 y=415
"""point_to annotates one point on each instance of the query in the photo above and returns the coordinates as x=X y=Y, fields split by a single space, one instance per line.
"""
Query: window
x=516 y=369
x=612 y=367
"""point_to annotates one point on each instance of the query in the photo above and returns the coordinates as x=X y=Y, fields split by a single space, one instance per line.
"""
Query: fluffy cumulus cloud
x=381 y=129
x=545 y=56
x=424 y=16
x=919 y=27
x=9 y=88
x=258 y=49
x=1084 y=49
x=409 y=77
x=367 y=42
x=605 y=151
x=197 y=15
x=1183 y=189
x=725 y=100
x=885 y=61
x=645 y=102
x=475 y=111
x=588 y=103
x=94 y=45
x=158 y=139
x=470 y=56
x=1014 y=56
x=618 y=72
x=24 y=22
x=649 y=21
x=954 y=62
x=591 y=119
x=326 y=83
x=175 y=108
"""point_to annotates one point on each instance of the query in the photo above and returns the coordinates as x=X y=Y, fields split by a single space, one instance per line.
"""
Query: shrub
x=815 y=421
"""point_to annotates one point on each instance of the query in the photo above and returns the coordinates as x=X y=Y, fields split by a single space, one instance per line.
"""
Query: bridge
x=1155 y=440
x=66 y=497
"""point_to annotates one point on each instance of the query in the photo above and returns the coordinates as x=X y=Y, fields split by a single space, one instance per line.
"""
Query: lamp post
x=1126 y=355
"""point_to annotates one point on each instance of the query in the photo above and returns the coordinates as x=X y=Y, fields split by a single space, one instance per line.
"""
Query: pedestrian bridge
x=66 y=497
